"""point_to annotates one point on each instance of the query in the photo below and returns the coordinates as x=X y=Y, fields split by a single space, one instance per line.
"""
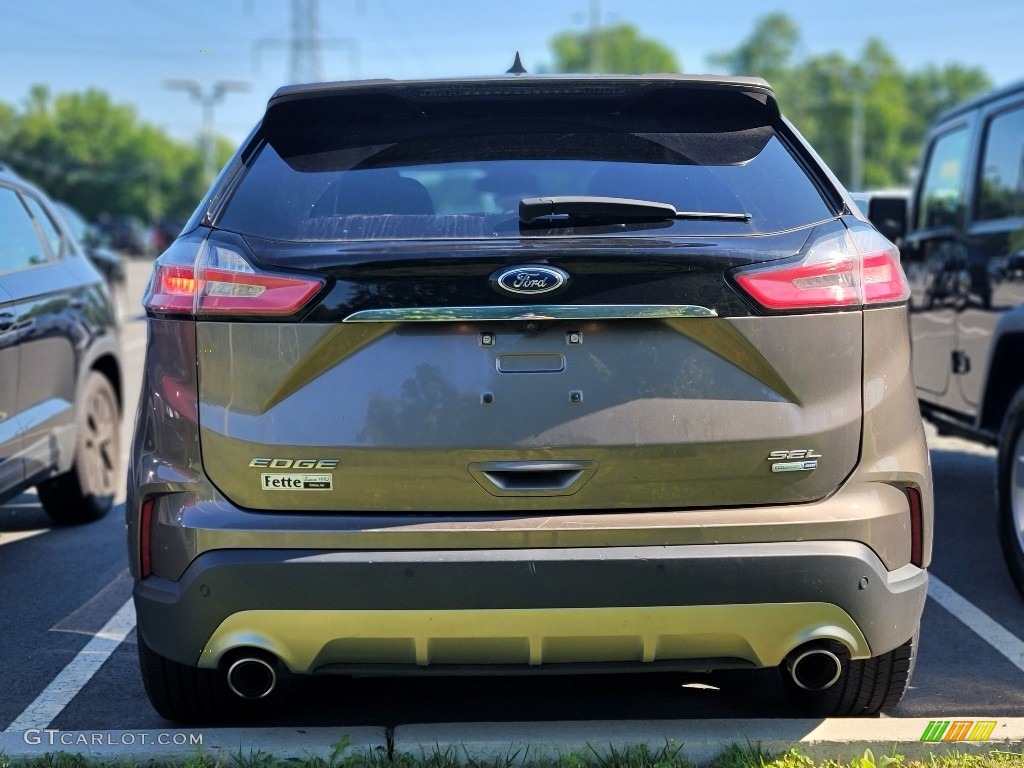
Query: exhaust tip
x=251 y=678
x=814 y=669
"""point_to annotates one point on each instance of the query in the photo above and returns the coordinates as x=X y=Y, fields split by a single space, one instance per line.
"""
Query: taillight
x=146 y=538
x=172 y=289
x=883 y=278
x=916 y=526
x=854 y=268
x=207 y=277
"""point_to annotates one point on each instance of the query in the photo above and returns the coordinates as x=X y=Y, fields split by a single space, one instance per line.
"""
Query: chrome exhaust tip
x=814 y=668
x=251 y=678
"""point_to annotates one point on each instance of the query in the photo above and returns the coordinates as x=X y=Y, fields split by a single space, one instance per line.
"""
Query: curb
x=513 y=743
x=698 y=740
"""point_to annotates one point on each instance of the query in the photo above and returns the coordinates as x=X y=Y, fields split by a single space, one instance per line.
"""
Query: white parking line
x=82 y=620
x=987 y=628
x=10 y=538
x=66 y=685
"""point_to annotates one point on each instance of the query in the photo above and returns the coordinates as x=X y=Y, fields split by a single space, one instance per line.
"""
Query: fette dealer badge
x=294 y=481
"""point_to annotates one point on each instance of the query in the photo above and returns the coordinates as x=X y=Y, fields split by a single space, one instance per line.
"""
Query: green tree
x=765 y=53
x=827 y=95
x=7 y=122
x=620 y=50
x=99 y=157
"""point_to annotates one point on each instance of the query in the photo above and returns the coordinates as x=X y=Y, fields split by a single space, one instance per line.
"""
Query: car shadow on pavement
x=23 y=513
x=395 y=701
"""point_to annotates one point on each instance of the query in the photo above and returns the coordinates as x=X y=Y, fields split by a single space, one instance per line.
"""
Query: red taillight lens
x=802 y=286
x=206 y=277
x=173 y=289
x=883 y=278
x=146 y=538
x=851 y=269
x=916 y=527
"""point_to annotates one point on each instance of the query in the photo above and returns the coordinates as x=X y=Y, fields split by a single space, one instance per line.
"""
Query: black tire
x=86 y=492
x=865 y=686
x=185 y=694
x=1010 y=489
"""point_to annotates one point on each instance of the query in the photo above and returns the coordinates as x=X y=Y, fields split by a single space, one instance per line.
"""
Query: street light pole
x=857 y=139
x=207 y=101
x=595 y=36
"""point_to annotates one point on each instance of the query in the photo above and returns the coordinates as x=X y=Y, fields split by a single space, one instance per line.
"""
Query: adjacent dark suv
x=60 y=370
x=527 y=374
x=965 y=252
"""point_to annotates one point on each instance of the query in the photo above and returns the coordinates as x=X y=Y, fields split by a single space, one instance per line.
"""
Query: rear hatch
x=380 y=330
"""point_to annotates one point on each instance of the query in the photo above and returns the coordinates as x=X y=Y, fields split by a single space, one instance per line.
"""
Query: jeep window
x=459 y=174
x=941 y=191
x=1001 y=175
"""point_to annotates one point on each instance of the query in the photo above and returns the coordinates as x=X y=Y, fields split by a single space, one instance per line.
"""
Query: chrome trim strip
x=532 y=312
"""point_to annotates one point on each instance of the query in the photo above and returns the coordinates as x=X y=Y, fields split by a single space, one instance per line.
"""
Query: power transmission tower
x=595 y=36
x=305 y=45
x=305 y=42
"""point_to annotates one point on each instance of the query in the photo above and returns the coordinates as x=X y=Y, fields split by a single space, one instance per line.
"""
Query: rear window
x=458 y=169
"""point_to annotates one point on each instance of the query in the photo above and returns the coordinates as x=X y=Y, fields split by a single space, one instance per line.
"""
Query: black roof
x=978 y=101
x=526 y=83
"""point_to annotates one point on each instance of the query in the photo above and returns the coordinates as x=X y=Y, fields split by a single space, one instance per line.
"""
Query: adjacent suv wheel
x=87 y=490
x=1010 y=489
x=864 y=687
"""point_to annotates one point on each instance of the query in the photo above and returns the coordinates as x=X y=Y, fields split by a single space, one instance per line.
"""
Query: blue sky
x=129 y=48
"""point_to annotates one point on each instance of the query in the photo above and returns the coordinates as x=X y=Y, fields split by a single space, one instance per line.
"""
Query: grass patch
x=641 y=756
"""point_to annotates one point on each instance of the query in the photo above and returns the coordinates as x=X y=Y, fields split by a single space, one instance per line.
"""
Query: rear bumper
x=707 y=605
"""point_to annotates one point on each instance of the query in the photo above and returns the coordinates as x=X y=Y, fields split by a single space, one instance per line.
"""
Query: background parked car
x=125 y=233
x=60 y=369
x=163 y=233
x=964 y=259
x=108 y=262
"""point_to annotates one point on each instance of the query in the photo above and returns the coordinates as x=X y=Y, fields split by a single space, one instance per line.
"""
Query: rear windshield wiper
x=618 y=208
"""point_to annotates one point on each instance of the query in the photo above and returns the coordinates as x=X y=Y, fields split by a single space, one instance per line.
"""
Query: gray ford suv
x=527 y=374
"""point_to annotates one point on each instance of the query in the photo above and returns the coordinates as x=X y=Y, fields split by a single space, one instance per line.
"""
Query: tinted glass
x=943 y=181
x=50 y=232
x=1001 y=182
x=456 y=177
x=20 y=246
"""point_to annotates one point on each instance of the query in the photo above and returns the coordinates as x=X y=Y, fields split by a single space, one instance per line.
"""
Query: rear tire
x=865 y=686
x=86 y=491
x=184 y=694
x=1010 y=489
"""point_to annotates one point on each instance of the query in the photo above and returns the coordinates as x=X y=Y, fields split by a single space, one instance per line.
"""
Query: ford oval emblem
x=529 y=280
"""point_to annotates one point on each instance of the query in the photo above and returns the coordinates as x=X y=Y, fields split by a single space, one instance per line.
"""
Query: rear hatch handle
x=532 y=478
